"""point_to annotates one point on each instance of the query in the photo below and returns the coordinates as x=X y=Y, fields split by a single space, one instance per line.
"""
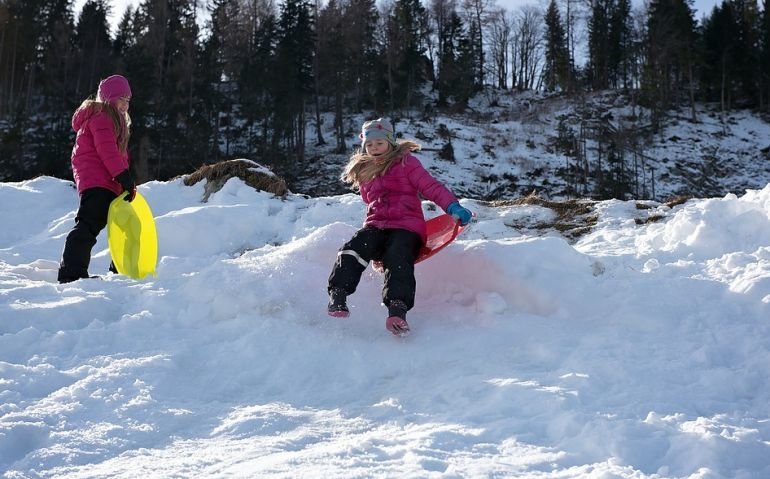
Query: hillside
x=508 y=144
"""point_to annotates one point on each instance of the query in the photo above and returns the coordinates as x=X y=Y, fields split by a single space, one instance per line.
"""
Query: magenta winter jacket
x=393 y=199
x=96 y=159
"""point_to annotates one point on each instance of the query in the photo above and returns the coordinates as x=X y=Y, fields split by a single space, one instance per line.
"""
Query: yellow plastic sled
x=132 y=237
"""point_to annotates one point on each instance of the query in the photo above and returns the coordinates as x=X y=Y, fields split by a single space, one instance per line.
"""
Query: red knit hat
x=114 y=87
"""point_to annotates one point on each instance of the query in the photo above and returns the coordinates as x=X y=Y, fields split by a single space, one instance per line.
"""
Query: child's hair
x=121 y=123
x=362 y=167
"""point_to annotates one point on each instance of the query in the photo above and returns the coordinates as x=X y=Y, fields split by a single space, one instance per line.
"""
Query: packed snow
x=638 y=350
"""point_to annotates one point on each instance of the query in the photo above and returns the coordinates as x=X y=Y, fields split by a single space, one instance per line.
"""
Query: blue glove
x=462 y=214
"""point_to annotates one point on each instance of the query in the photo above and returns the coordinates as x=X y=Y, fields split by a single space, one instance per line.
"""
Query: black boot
x=338 y=307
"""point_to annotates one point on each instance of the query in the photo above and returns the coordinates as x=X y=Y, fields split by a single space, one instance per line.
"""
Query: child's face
x=376 y=147
x=122 y=104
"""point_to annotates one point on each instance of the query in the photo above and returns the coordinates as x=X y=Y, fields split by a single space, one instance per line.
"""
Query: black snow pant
x=396 y=248
x=89 y=222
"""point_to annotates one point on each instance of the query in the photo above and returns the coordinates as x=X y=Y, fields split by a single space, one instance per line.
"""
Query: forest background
x=257 y=79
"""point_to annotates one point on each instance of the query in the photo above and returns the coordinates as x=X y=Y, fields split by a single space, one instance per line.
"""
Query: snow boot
x=396 y=322
x=338 y=307
x=398 y=326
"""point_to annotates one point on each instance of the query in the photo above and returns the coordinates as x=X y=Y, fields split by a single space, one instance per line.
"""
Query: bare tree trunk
x=139 y=162
x=477 y=9
x=301 y=134
x=722 y=88
x=11 y=99
x=2 y=79
x=390 y=82
x=316 y=87
x=30 y=84
x=191 y=62
x=338 y=125
x=691 y=76
x=319 y=134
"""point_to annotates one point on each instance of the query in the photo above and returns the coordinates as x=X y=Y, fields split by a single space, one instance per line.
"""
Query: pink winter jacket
x=96 y=159
x=393 y=199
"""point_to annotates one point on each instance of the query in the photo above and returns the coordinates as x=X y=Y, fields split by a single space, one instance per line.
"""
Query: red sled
x=440 y=231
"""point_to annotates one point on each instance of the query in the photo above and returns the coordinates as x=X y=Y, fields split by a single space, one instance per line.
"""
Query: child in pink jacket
x=100 y=168
x=391 y=181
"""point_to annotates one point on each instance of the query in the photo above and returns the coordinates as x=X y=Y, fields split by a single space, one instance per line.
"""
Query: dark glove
x=462 y=214
x=125 y=180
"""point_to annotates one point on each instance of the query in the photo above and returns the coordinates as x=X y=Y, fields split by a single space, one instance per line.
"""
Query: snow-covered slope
x=638 y=351
x=507 y=145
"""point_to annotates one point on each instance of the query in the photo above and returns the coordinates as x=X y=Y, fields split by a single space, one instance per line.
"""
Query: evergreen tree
x=476 y=17
x=209 y=84
x=472 y=56
x=363 y=47
x=334 y=76
x=466 y=80
x=556 y=71
x=670 y=62
x=160 y=52
x=599 y=42
x=293 y=79
x=765 y=58
x=609 y=44
x=18 y=56
x=718 y=45
x=476 y=13
x=36 y=65
x=94 y=45
x=407 y=26
x=450 y=71
x=746 y=53
x=56 y=56
x=620 y=45
x=125 y=37
x=255 y=84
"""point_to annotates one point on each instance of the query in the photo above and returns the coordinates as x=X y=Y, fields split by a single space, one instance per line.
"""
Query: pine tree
x=450 y=71
x=466 y=80
x=210 y=85
x=599 y=42
x=160 y=47
x=765 y=58
x=255 y=84
x=406 y=28
x=746 y=53
x=56 y=55
x=476 y=14
x=621 y=45
x=670 y=62
x=333 y=74
x=293 y=79
x=94 y=45
x=556 y=70
x=36 y=64
x=20 y=33
x=718 y=45
x=363 y=47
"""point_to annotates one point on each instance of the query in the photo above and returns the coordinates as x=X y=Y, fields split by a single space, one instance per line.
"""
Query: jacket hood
x=80 y=117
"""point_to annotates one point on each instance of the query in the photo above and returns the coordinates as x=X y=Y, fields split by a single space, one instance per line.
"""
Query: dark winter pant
x=89 y=222
x=396 y=248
